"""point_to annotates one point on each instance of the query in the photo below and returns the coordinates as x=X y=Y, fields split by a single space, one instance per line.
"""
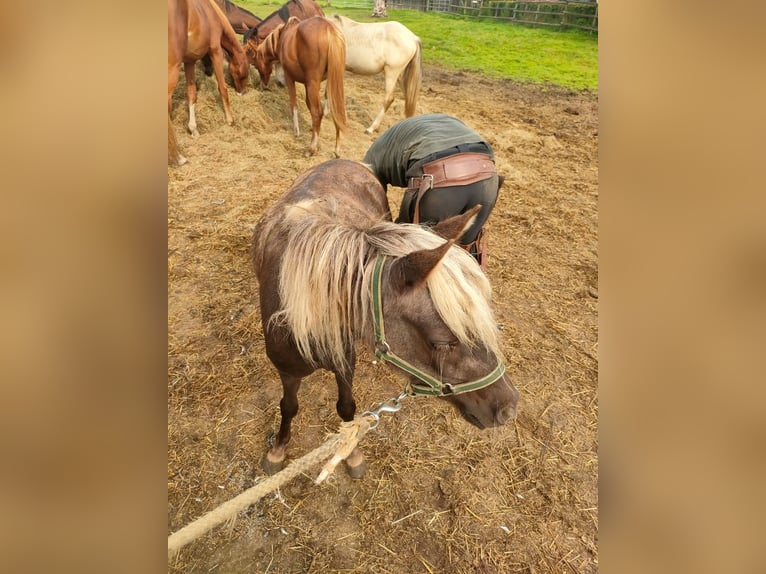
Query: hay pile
x=439 y=495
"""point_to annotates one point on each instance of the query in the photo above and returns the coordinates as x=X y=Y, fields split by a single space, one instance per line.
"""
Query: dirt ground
x=439 y=494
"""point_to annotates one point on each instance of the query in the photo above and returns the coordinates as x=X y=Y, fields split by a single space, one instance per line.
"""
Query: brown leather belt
x=457 y=169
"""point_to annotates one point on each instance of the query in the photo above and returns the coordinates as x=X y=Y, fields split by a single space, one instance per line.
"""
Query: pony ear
x=454 y=227
x=412 y=270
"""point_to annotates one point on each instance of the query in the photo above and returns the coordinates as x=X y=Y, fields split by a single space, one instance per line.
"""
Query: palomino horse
x=300 y=9
x=310 y=51
x=333 y=269
x=389 y=47
x=196 y=28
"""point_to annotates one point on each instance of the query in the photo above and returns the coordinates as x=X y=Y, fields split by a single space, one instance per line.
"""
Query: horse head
x=438 y=320
x=239 y=70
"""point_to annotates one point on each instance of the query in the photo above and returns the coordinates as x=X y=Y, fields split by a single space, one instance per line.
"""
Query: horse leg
x=217 y=58
x=390 y=86
x=174 y=156
x=191 y=96
x=288 y=408
x=279 y=74
x=293 y=104
x=346 y=408
x=314 y=104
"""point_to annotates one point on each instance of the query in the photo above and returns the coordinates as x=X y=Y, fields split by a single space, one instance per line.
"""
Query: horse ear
x=412 y=270
x=454 y=227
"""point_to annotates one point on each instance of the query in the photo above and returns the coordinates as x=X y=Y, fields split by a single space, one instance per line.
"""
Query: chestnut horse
x=334 y=270
x=300 y=9
x=309 y=51
x=239 y=18
x=388 y=47
x=196 y=28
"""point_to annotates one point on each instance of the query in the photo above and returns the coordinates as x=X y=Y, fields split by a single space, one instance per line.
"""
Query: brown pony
x=196 y=28
x=333 y=269
x=310 y=51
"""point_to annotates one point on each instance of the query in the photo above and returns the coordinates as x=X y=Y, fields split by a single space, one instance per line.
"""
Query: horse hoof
x=194 y=133
x=369 y=131
x=270 y=467
x=357 y=472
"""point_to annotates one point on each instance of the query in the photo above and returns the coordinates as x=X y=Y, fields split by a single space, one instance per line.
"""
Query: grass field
x=497 y=49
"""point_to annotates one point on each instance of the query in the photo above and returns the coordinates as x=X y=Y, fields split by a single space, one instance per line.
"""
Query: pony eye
x=443 y=346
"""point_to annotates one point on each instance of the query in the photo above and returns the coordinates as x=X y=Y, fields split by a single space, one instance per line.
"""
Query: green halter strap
x=432 y=386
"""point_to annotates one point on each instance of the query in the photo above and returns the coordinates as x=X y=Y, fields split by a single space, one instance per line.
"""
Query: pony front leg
x=191 y=97
x=346 y=408
x=288 y=408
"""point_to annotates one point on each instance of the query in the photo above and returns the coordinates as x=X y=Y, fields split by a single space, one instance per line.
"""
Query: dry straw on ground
x=439 y=495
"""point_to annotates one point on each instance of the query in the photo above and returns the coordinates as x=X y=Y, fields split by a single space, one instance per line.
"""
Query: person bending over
x=446 y=167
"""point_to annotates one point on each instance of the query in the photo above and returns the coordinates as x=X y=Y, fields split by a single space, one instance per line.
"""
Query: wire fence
x=558 y=15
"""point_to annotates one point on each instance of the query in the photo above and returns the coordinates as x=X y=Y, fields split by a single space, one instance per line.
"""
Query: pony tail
x=336 y=70
x=412 y=80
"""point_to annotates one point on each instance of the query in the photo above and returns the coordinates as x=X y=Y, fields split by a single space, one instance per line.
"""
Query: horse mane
x=336 y=259
x=271 y=42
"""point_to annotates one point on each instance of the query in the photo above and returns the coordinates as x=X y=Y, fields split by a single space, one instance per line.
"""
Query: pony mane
x=325 y=289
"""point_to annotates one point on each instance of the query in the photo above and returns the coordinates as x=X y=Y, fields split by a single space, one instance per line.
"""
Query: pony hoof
x=369 y=131
x=270 y=467
x=357 y=472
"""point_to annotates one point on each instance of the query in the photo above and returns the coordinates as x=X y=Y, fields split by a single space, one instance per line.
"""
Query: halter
x=433 y=386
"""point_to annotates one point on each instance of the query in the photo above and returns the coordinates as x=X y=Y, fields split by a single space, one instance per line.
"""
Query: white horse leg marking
x=193 y=121
x=296 y=128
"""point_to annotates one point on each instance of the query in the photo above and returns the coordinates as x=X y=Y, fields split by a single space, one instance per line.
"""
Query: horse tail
x=412 y=80
x=336 y=69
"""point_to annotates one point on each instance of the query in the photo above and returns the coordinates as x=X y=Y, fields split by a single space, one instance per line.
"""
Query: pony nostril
x=505 y=414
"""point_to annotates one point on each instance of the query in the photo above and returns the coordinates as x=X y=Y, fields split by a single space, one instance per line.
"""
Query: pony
x=196 y=28
x=309 y=51
x=334 y=270
x=389 y=47
x=301 y=9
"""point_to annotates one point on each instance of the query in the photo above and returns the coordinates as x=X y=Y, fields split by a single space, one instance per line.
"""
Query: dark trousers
x=443 y=202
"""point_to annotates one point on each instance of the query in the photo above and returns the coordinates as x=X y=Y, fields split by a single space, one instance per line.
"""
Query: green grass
x=496 y=49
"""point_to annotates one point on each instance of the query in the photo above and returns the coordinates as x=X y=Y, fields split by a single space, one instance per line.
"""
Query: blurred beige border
x=683 y=287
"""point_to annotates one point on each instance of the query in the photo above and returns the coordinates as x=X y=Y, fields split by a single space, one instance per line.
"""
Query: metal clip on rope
x=388 y=406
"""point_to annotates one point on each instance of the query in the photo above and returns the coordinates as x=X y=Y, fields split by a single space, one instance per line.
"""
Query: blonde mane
x=325 y=281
